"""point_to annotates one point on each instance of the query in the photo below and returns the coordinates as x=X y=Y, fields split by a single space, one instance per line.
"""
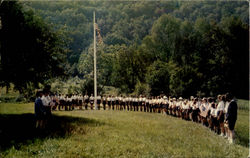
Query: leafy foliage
x=30 y=52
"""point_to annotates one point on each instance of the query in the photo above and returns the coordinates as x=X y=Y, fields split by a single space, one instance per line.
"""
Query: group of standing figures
x=219 y=114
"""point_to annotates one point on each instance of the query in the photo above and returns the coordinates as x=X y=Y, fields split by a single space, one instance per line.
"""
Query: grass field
x=114 y=134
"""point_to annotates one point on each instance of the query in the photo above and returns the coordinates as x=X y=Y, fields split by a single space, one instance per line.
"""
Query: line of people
x=219 y=115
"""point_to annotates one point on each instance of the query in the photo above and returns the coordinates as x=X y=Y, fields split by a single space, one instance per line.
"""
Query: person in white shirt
x=104 y=102
x=98 y=101
x=109 y=101
x=113 y=102
x=123 y=104
x=120 y=102
x=91 y=100
x=46 y=100
x=86 y=101
x=140 y=102
x=80 y=98
x=214 y=115
x=170 y=106
x=147 y=104
x=174 y=107
x=225 y=112
x=127 y=102
x=195 y=110
x=220 y=109
x=136 y=101
x=116 y=103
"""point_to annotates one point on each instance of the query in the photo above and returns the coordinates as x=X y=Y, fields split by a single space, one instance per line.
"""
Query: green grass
x=114 y=134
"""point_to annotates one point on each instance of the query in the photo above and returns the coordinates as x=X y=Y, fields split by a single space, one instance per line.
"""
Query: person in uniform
x=170 y=106
x=214 y=115
x=113 y=102
x=109 y=101
x=98 y=100
x=91 y=100
x=60 y=101
x=124 y=102
x=144 y=103
x=174 y=107
x=80 y=98
x=147 y=104
x=220 y=110
x=127 y=102
x=54 y=101
x=137 y=103
x=166 y=105
x=140 y=102
x=47 y=102
x=151 y=103
x=116 y=102
x=231 y=117
x=104 y=102
x=131 y=102
x=120 y=106
x=225 y=113
x=40 y=112
x=73 y=101
x=195 y=110
x=86 y=101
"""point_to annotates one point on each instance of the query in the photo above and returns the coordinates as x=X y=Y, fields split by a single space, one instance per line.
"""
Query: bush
x=142 y=88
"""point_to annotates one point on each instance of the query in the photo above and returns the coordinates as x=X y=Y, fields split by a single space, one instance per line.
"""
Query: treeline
x=176 y=48
x=124 y=22
x=178 y=58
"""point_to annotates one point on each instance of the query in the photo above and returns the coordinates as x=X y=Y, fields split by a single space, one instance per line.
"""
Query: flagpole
x=95 y=84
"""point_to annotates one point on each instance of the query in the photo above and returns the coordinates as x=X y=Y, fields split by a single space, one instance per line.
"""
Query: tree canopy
x=30 y=51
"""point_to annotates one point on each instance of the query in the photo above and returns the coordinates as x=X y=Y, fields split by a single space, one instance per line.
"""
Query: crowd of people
x=218 y=114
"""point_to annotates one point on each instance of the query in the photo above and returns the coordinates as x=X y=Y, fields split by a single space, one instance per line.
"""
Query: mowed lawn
x=107 y=133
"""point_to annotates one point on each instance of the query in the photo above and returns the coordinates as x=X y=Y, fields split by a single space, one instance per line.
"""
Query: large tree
x=30 y=51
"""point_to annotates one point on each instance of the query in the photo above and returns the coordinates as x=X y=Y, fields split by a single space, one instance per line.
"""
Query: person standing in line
x=98 y=100
x=231 y=117
x=46 y=100
x=225 y=113
x=80 y=98
x=124 y=103
x=127 y=102
x=86 y=101
x=40 y=112
x=120 y=106
x=109 y=102
x=147 y=104
x=144 y=103
x=113 y=102
x=91 y=100
x=104 y=102
x=140 y=102
x=116 y=102
x=131 y=102
x=220 y=110
x=137 y=103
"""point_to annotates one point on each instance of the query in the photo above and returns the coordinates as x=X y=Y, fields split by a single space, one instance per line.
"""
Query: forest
x=174 y=48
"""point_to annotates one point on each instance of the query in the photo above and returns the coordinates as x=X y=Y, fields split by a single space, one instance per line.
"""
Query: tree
x=30 y=51
x=158 y=78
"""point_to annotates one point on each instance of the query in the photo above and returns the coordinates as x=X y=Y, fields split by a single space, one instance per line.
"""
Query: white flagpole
x=95 y=84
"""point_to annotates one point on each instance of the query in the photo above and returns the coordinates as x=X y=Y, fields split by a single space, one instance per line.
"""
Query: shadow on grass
x=19 y=129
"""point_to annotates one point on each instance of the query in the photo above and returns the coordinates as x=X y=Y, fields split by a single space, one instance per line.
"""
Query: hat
x=180 y=98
